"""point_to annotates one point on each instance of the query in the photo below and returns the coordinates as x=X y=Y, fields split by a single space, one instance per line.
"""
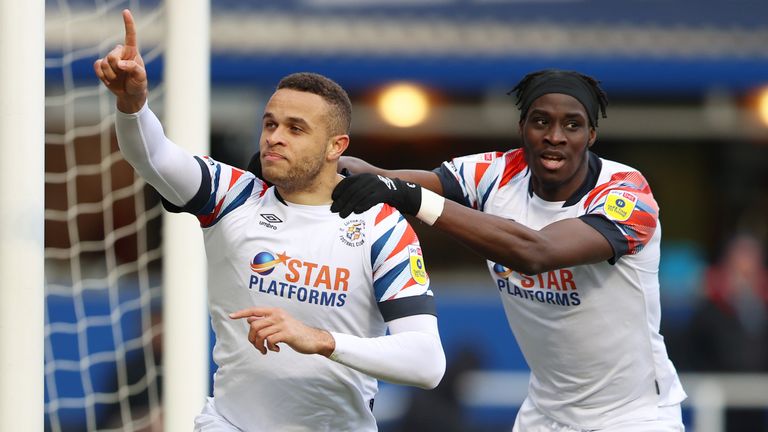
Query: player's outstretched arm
x=122 y=70
x=410 y=355
x=171 y=170
x=561 y=244
x=426 y=179
x=565 y=243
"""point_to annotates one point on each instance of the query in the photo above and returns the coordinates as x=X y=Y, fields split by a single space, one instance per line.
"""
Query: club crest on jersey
x=619 y=205
x=353 y=233
x=418 y=272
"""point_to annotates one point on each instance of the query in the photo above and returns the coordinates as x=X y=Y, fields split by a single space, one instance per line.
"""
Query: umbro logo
x=270 y=220
x=269 y=217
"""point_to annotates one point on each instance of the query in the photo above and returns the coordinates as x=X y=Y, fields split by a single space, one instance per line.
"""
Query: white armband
x=431 y=208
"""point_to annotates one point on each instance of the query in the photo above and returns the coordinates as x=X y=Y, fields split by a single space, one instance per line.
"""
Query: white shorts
x=531 y=419
x=209 y=420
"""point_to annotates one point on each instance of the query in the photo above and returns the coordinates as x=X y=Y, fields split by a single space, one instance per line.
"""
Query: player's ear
x=336 y=147
x=592 y=136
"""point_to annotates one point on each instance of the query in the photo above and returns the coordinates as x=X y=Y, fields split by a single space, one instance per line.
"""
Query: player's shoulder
x=381 y=223
x=380 y=220
x=611 y=167
x=618 y=181
x=231 y=178
x=214 y=165
x=495 y=164
x=491 y=157
x=383 y=215
x=617 y=174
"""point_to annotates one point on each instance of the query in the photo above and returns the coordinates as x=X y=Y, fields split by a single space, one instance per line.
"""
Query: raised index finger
x=130 y=29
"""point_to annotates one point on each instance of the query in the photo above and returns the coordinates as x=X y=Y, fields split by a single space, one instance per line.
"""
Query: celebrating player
x=312 y=292
x=572 y=243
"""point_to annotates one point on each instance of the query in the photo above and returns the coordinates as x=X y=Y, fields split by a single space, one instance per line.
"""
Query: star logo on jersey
x=501 y=271
x=353 y=233
x=619 y=205
x=310 y=282
x=264 y=263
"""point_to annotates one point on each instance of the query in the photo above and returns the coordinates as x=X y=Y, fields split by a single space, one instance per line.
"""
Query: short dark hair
x=331 y=92
x=583 y=87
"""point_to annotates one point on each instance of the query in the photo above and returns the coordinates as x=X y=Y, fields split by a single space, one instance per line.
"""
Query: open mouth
x=552 y=162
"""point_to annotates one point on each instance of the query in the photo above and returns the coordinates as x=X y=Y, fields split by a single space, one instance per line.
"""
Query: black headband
x=565 y=84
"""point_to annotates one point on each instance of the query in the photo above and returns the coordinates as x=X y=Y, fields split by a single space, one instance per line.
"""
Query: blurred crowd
x=728 y=328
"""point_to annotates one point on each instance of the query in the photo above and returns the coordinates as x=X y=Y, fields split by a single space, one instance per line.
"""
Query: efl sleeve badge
x=418 y=271
x=619 y=205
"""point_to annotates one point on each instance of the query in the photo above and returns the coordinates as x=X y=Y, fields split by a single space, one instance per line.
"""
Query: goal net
x=102 y=231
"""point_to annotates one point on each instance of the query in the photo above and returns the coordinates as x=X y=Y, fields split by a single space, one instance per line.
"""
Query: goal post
x=22 y=85
x=187 y=123
x=108 y=303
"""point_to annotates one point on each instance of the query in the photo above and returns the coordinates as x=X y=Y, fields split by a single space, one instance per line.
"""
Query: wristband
x=431 y=208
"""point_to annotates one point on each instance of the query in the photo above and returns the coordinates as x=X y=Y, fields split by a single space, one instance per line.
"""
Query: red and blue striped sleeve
x=223 y=189
x=469 y=180
x=624 y=210
x=400 y=279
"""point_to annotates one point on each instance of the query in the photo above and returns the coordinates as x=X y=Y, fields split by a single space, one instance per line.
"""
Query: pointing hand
x=123 y=72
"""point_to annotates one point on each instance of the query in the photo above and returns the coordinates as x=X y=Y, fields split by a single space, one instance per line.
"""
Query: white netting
x=102 y=227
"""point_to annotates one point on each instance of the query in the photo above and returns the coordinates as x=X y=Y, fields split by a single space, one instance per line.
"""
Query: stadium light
x=403 y=105
x=762 y=106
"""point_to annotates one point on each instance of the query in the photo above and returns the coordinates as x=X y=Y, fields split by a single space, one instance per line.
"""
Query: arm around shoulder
x=426 y=179
x=564 y=243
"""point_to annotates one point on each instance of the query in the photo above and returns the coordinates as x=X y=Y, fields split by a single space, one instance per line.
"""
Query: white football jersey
x=589 y=333
x=344 y=275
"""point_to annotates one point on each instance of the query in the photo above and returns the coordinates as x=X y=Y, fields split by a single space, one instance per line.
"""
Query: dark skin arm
x=425 y=179
x=561 y=244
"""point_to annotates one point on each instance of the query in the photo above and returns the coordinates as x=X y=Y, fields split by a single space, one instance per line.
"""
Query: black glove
x=358 y=193
x=254 y=166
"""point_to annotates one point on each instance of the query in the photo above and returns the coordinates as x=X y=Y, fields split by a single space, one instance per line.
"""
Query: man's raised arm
x=174 y=172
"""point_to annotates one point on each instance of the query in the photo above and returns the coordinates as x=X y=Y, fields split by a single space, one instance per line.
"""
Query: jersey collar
x=279 y=197
x=595 y=165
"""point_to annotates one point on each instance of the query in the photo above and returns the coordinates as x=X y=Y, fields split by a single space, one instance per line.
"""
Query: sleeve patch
x=619 y=205
x=418 y=271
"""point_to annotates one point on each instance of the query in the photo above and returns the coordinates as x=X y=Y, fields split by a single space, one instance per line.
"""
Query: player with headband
x=572 y=243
